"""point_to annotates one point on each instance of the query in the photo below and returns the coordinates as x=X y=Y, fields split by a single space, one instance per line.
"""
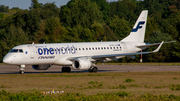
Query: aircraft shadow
x=29 y=72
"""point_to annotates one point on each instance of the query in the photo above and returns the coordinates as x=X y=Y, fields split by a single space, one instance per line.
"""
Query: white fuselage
x=58 y=53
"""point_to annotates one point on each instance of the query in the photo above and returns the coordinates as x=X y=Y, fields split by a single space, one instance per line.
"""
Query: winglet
x=158 y=47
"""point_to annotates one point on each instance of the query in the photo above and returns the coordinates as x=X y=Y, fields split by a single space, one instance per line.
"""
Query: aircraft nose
x=7 y=60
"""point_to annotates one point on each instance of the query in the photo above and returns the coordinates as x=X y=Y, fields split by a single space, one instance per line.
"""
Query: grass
x=138 y=83
x=129 y=80
x=151 y=64
x=118 y=96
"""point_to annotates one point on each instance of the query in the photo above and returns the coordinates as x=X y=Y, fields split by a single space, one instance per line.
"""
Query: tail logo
x=138 y=26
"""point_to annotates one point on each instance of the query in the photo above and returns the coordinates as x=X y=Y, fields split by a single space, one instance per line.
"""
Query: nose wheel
x=21 y=69
x=21 y=72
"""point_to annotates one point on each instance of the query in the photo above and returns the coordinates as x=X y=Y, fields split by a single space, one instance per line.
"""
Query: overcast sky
x=25 y=4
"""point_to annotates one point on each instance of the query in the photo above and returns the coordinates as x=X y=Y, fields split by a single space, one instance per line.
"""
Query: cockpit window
x=16 y=51
x=20 y=51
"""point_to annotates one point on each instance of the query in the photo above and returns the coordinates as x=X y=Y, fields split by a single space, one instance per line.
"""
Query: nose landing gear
x=21 y=69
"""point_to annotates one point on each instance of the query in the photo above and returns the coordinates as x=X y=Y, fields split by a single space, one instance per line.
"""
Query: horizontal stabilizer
x=148 y=44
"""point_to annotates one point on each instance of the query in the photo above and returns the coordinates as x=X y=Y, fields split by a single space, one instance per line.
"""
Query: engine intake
x=41 y=67
x=81 y=64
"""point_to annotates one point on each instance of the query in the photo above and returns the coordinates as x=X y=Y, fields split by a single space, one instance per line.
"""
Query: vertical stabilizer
x=138 y=32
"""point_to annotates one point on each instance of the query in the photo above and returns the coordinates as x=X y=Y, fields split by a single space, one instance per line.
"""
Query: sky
x=25 y=4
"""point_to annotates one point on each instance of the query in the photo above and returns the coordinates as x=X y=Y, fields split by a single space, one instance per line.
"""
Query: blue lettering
x=138 y=26
x=63 y=50
x=51 y=50
x=40 y=51
x=67 y=49
x=73 y=50
x=46 y=51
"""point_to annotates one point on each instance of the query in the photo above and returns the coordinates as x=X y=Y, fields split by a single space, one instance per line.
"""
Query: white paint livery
x=80 y=55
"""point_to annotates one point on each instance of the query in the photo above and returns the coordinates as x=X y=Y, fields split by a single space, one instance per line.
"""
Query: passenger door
x=32 y=51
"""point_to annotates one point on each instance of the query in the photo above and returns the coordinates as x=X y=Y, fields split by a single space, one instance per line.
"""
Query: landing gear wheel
x=21 y=69
x=21 y=72
x=63 y=69
x=93 y=69
x=66 y=69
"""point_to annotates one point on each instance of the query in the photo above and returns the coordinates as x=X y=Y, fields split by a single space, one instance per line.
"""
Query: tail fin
x=138 y=32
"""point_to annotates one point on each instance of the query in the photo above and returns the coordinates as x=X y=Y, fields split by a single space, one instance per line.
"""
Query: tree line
x=92 y=20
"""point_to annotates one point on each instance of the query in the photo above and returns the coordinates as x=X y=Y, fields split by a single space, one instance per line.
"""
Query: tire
x=94 y=69
x=63 y=69
x=21 y=72
x=68 y=69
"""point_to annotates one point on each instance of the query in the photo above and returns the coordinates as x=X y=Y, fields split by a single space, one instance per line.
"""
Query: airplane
x=82 y=55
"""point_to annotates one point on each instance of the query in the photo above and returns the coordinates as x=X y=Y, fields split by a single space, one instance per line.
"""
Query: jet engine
x=81 y=64
x=41 y=67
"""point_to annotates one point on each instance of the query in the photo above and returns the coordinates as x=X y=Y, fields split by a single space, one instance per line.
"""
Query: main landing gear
x=21 y=69
x=66 y=69
x=93 y=69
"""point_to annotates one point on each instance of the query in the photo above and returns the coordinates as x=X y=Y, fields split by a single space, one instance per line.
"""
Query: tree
x=51 y=31
x=164 y=55
x=35 y=5
x=49 y=10
x=120 y=27
x=123 y=9
x=11 y=37
x=98 y=31
x=80 y=12
x=4 y=8
x=104 y=7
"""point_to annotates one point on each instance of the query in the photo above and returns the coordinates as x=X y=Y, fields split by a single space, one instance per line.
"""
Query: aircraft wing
x=148 y=44
x=113 y=56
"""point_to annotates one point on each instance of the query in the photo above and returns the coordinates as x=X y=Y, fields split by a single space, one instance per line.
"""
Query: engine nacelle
x=81 y=64
x=41 y=67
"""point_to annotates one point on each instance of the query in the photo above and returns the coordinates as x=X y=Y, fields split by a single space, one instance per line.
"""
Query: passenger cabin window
x=86 y=48
x=83 y=48
x=107 y=47
x=89 y=48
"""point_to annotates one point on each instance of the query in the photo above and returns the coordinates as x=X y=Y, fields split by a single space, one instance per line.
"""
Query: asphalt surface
x=12 y=69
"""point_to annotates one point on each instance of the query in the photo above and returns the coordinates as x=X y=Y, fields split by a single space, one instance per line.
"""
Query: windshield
x=16 y=51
